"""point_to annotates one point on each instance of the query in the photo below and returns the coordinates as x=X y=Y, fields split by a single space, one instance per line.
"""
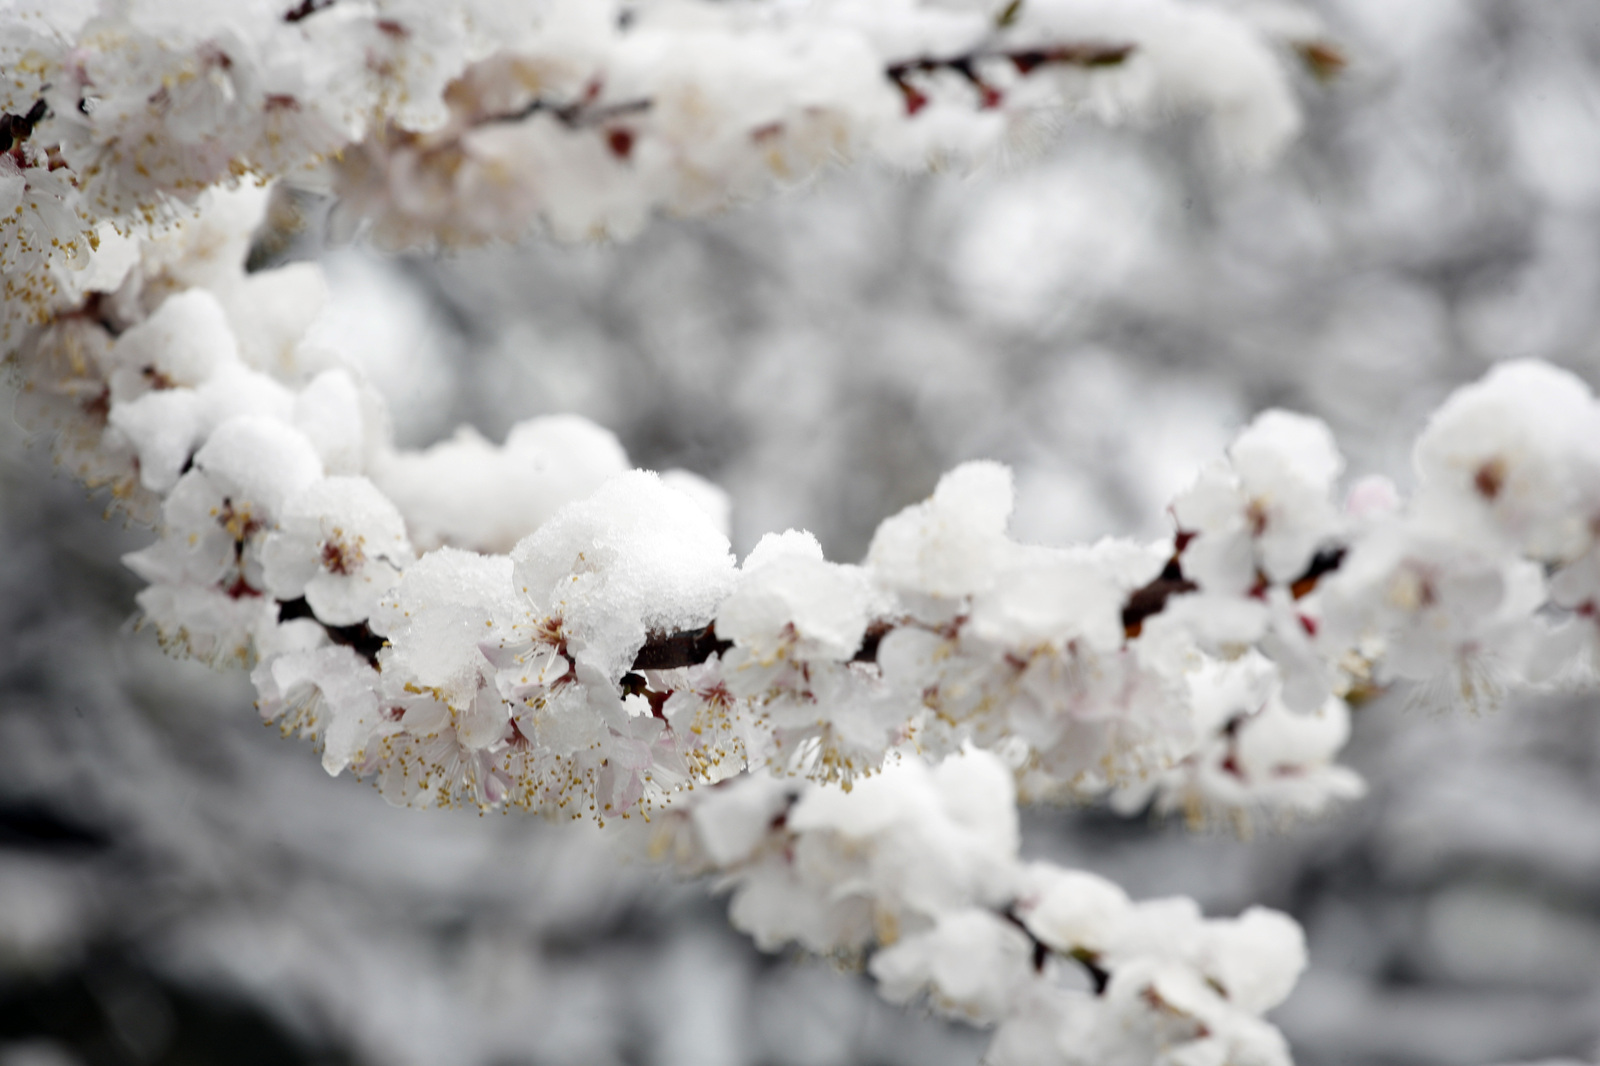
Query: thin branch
x=666 y=651
x=586 y=113
x=1025 y=60
x=1099 y=976
x=1323 y=563
x=578 y=115
x=359 y=638
x=1152 y=598
x=14 y=129
x=307 y=8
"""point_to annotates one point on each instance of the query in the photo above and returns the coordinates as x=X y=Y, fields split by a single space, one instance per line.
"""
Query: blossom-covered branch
x=478 y=119
x=970 y=66
x=618 y=654
x=916 y=872
x=537 y=625
x=665 y=651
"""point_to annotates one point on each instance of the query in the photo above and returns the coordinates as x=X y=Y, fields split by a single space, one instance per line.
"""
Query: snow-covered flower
x=1264 y=513
x=1253 y=756
x=1433 y=607
x=341 y=544
x=1515 y=456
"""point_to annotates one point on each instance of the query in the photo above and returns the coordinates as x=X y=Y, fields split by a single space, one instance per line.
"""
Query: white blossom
x=341 y=544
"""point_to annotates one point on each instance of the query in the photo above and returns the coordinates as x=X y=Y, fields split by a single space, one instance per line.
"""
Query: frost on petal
x=469 y=493
x=340 y=544
x=1279 y=743
x=569 y=719
x=1051 y=597
x=208 y=251
x=271 y=311
x=952 y=544
x=774 y=906
x=976 y=792
x=163 y=429
x=939 y=837
x=633 y=557
x=1220 y=555
x=1256 y=957
x=483 y=721
x=819 y=610
x=1519 y=453
x=444 y=606
x=1309 y=677
x=797 y=543
x=236 y=390
x=206 y=623
x=1254 y=756
x=731 y=821
x=971 y=964
x=328 y=691
x=1071 y=910
x=1281 y=448
x=196 y=546
x=183 y=343
x=332 y=414
x=711 y=497
x=1267 y=511
x=1215 y=621
x=1288 y=464
x=1440 y=608
x=259 y=460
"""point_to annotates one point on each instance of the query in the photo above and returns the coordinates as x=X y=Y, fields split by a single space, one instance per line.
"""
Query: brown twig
x=359 y=638
x=1025 y=60
x=668 y=651
x=575 y=115
x=1099 y=976
x=14 y=129
x=306 y=9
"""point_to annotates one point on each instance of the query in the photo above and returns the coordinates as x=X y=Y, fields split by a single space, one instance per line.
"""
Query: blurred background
x=179 y=885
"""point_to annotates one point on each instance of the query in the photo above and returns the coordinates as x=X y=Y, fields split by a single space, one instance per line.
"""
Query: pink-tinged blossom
x=1253 y=757
x=341 y=544
x=1429 y=607
x=1263 y=514
x=919 y=867
x=1515 y=459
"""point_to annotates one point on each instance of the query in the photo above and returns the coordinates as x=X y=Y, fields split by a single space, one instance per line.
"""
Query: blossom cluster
x=589 y=646
x=535 y=625
x=478 y=119
x=916 y=873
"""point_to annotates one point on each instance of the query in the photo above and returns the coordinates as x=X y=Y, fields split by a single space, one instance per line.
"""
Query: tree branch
x=1099 y=976
x=14 y=129
x=1026 y=60
x=359 y=638
x=306 y=9
x=667 y=651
